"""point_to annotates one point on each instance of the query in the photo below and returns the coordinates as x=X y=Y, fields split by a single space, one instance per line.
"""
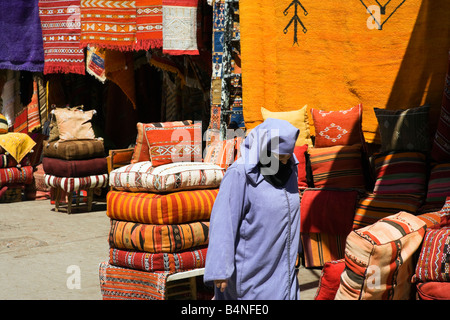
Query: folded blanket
x=173 y=262
x=158 y=238
x=152 y=208
x=74 y=168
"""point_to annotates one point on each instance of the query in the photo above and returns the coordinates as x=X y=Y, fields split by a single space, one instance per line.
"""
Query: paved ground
x=43 y=253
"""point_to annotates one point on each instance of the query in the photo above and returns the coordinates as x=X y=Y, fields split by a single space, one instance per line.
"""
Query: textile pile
x=73 y=157
x=16 y=170
x=159 y=206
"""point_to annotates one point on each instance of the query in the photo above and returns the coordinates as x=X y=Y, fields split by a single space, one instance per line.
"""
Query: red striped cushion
x=400 y=173
x=373 y=207
x=75 y=184
x=338 y=166
x=438 y=185
x=23 y=175
x=173 y=262
x=152 y=208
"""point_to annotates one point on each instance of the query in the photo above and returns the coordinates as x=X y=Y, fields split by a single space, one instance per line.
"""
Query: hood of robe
x=272 y=136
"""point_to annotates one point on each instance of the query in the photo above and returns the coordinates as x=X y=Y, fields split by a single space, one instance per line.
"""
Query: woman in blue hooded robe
x=255 y=220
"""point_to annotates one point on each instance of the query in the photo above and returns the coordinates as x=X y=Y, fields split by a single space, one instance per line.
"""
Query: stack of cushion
x=73 y=158
x=159 y=206
x=15 y=165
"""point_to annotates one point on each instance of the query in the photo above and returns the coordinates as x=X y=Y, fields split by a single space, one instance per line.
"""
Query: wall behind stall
x=393 y=57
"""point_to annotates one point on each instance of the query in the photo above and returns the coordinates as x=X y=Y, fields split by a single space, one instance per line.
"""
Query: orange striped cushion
x=153 y=208
x=158 y=238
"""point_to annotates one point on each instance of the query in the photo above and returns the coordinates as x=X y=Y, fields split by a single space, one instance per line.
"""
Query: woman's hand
x=221 y=284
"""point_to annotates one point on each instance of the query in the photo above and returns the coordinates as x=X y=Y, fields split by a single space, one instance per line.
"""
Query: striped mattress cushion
x=151 y=262
x=400 y=172
x=74 y=184
x=154 y=208
x=158 y=238
x=143 y=177
x=379 y=259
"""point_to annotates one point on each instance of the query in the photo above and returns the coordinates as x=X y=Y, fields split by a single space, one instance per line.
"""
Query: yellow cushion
x=17 y=144
x=298 y=118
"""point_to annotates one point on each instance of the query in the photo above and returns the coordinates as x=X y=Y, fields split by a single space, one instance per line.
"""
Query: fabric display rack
x=159 y=213
x=73 y=158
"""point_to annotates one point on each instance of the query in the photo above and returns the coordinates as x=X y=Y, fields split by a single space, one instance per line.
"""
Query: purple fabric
x=21 y=44
x=255 y=227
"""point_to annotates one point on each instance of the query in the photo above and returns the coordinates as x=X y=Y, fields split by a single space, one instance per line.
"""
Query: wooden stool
x=70 y=198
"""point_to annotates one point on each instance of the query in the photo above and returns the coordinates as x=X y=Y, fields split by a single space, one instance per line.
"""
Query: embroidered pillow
x=434 y=258
x=141 y=148
x=379 y=259
x=174 y=144
x=440 y=151
x=74 y=124
x=404 y=130
x=298 y=118
x=343 y=127
x=221 y=153
x=337 y=167
x=400 y=173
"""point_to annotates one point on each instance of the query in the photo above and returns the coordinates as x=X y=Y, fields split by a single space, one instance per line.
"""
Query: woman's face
x=284 y=158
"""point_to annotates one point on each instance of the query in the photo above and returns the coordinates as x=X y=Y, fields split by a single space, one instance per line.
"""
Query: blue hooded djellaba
x=255 y=221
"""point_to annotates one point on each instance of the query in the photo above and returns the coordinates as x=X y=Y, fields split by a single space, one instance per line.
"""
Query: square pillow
x=298 y=118
x=222 y=153
x=141 y=148
x=74 y=124
x=174 y=144
x=434 y=258
x=343 y=127
x=400 y=173
x=337 y=167
x=438 y=185
x=440 y=151
x=329 y=281
x=379 y=259
x=404 y=130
